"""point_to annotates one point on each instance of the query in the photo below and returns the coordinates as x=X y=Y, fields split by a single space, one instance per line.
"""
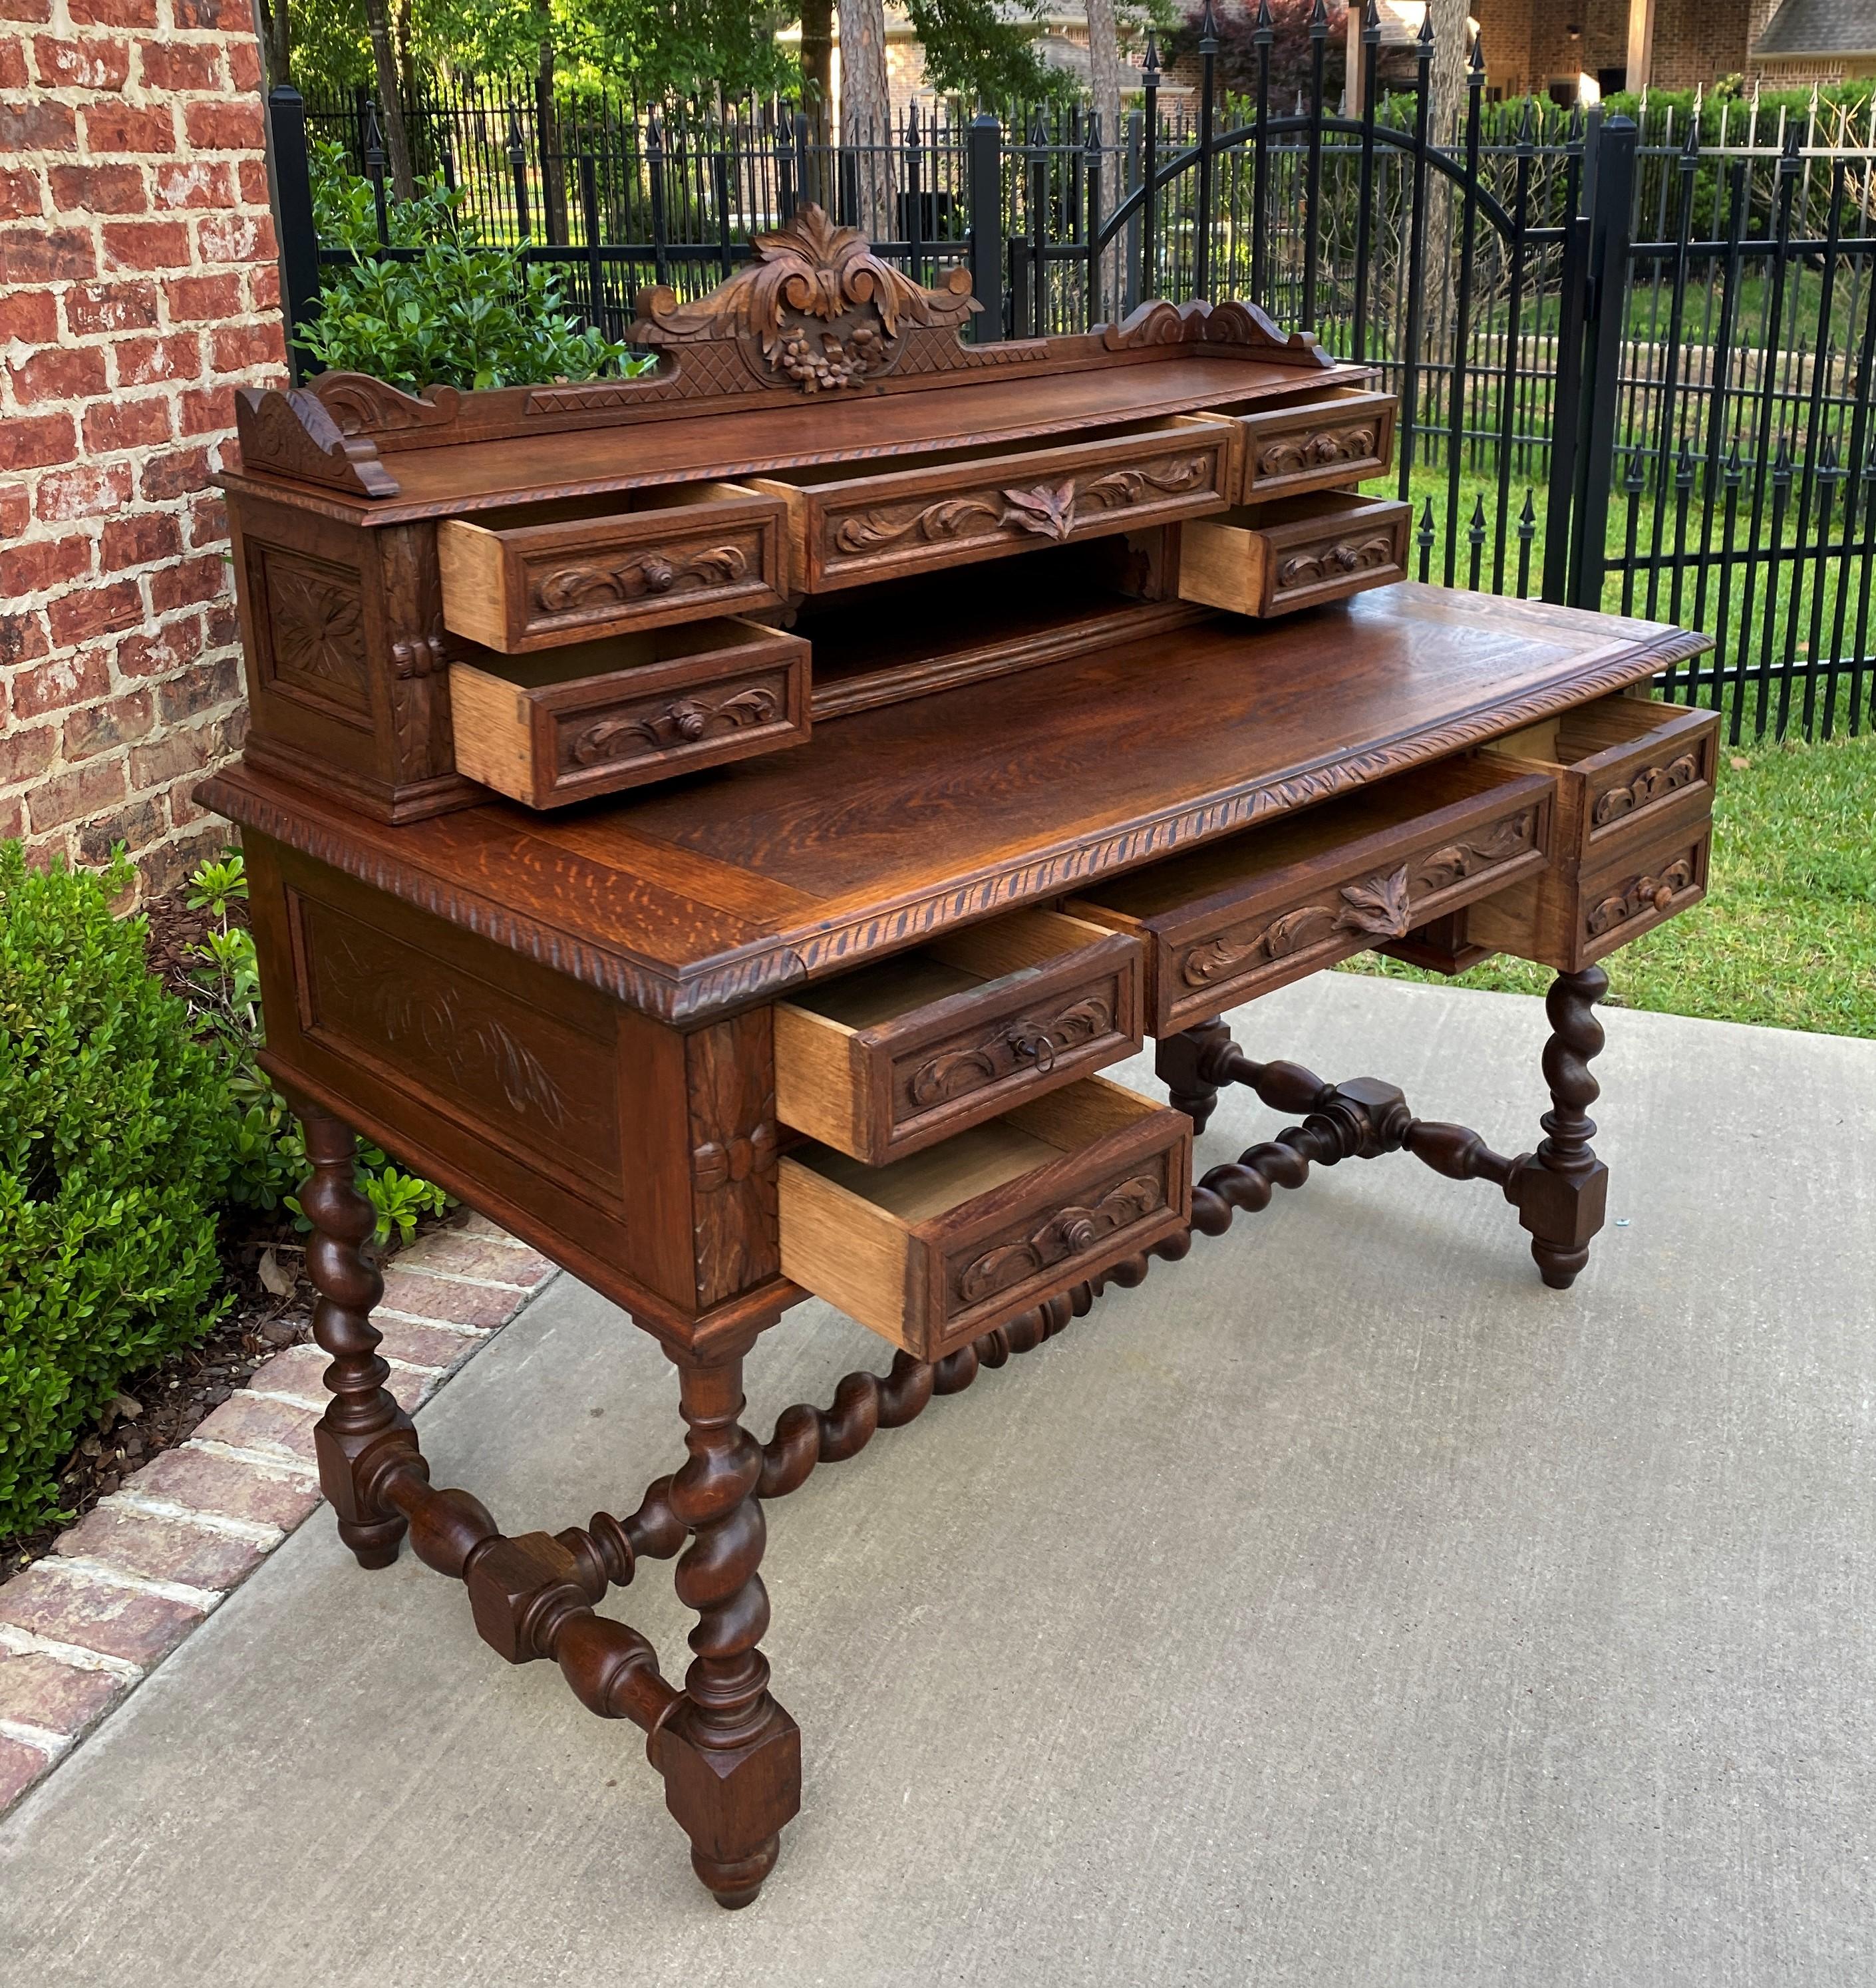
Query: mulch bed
x=262 y=1258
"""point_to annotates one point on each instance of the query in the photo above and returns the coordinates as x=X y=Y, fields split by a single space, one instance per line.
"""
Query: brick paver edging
x=80 y=1629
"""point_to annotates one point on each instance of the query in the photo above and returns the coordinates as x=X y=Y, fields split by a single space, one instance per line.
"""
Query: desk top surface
x=705 y=894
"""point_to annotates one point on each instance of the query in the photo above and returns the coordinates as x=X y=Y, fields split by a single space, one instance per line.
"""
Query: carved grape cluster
x=815 y=362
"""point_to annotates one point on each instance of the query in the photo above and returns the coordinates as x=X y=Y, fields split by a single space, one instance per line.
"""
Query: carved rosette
x=815 y=309
x=1070 y=1231
x=1640 y=897
x=1649 y=785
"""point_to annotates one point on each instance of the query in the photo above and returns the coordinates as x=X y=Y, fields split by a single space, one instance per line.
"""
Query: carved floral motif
x=1640 y=897
x=953 y=1072
x=1321 y=563
x=1290 y=455
x=1071 y=1231
x=718 y=1163
x=816 y=306
x=1647 y=785
x=681 y=723
x=650 y=573
x=1458 y=861
x=318 y=626
x=1044 y=510
x=1377 y=906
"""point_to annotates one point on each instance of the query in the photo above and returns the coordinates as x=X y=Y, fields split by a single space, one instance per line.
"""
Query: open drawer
x=892 y=1059
x=538 y=575
x=938 y=1247
x=1242 y=916
x=1341 y=437
x=1634 y=801
x=595 y=719
x=1277 y=558
x=953 y=506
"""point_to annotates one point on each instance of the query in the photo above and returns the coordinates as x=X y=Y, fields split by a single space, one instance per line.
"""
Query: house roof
x=1820 y=28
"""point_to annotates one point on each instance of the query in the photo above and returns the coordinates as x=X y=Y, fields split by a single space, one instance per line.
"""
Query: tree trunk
x=277 y=41
x=384 y=61
x=1446 y=109
x=1104 y=76
x=547 y=128
x=817 y=95
x=866 y=112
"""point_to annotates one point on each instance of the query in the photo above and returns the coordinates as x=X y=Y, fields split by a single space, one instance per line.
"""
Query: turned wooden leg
x=1562 y=1189
x=730 y=1756
x=1183 y=1063
x=363 y=1426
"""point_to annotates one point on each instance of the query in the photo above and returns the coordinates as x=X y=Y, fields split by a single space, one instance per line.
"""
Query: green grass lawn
x=1787 y=934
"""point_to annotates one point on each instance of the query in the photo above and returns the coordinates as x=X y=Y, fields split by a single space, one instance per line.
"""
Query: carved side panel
x=730 y=1084
x=311 y=624
x=483 y=1053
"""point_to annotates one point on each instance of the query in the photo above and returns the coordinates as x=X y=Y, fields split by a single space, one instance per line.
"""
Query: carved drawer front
x=1327 y=444
x=846 y=526
x=553 y=729
x=1570 y=918
x=539 y=575
x=1299 y=553
x=1623 y=765
x=1253 y=912
x=893 y=1059
x=936 y=1248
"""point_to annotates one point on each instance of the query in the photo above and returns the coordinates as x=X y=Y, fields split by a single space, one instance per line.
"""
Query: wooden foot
x=1186 y=1064
x=362 y=1425
x=1562 y=1189
x=730 y=1756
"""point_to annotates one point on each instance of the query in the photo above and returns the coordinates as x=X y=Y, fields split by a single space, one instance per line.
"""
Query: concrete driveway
x=1340 y=1608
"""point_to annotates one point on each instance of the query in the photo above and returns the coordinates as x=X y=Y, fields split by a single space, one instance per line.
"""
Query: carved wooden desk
x=826 y=1019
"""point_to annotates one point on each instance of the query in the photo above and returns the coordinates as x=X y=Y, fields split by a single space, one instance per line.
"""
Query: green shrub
x=113 y=1154
x=459 y=313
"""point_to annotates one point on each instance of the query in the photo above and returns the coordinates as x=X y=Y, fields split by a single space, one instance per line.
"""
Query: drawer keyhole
x=1038 y=1046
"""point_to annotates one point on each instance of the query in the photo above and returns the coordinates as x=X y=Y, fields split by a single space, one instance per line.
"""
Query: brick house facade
x=138 y=289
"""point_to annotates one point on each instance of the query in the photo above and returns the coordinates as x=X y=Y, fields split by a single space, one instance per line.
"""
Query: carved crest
x=816 y=306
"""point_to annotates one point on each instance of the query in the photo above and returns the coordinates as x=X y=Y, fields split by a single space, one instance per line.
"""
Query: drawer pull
x=1647 y=785
x=1326 y=561
x=955 y=1071
x=1291 y=456
x=1642 y=895
x=1070 y=1231
x=682 y=722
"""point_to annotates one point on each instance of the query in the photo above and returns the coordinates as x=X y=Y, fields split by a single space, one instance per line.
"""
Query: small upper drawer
x=552 y=728
x=1241 y=917
x=1623 y=765
x=891 y=1060
x=1327 y=444
x=969 y=504
x=1277 y=558
x=543 y=574
x=937 y=1248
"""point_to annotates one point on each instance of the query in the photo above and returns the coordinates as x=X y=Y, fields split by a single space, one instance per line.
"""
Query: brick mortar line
x=87 y=1572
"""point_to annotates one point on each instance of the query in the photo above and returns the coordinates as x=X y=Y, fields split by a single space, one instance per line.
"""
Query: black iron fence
x=1635 y=365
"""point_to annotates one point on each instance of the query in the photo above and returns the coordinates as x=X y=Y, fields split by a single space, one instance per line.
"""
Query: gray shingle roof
x=1820 y=28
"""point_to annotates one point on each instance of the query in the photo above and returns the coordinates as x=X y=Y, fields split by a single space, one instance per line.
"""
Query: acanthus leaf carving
x=1346 y=555
x=1070 y=1231
x=650 y=574
x=1649 y=785
x=1639 y=896
x=953 y=1072
x=290 y=431
x=361 y=404
x=816 y=306
x=1379 y=906
x=1290 y=455
x=683 y=721
x=1457 y=861
x=1202 y=323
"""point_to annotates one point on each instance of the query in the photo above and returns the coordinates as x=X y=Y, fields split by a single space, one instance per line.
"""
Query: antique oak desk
x=719 y=823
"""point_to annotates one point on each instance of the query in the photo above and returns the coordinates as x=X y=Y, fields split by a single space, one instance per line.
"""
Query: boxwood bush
x=114 y=1151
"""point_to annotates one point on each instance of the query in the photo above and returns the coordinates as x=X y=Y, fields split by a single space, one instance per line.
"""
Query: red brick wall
x=138 y=287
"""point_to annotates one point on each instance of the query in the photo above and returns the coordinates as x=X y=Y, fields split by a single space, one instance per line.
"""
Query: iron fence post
x=299 y=241
x=1613 y=191
x=984 y=167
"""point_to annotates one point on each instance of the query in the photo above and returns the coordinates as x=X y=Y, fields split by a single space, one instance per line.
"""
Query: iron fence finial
x=1264 y=33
